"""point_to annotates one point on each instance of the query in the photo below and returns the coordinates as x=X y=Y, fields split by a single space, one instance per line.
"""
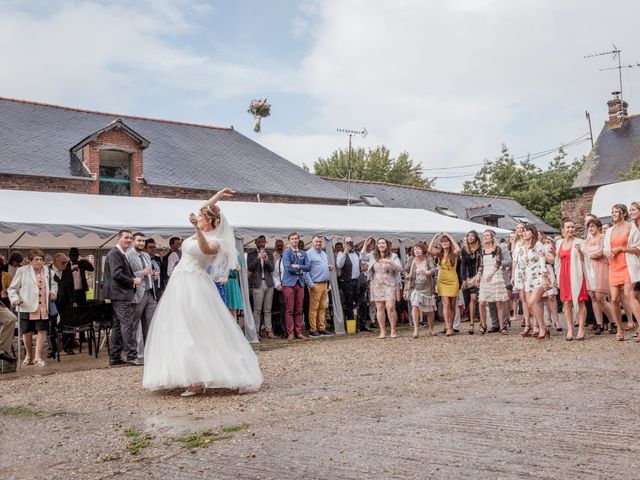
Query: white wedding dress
x=193 y=339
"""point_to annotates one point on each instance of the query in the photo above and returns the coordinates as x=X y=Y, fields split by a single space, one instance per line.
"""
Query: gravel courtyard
x=345 y=408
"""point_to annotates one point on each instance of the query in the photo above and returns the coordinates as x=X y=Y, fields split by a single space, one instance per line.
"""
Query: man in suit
x=294 y=265
x=151 y=248
x=119 y=287
x=348 y=261
x=144 y=298
x=78 y=269
x=65 y=300
x=260 y=265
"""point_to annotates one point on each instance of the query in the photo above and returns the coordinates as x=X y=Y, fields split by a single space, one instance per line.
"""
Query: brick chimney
x=617 y=110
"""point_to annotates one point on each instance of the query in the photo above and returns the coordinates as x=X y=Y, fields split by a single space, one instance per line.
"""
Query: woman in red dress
x=571 y=278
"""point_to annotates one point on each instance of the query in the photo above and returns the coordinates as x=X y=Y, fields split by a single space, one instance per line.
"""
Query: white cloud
x=449 y=82
x=107 y=56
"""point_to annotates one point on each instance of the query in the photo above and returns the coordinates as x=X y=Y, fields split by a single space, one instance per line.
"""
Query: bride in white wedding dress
x=193 y=340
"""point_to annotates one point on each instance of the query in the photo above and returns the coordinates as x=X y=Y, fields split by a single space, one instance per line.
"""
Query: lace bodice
x=193 y=260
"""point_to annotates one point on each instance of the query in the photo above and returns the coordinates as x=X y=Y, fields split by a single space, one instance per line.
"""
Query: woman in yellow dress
x=448 y=285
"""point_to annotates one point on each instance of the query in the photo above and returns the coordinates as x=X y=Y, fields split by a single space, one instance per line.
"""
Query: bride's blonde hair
x=212 y=214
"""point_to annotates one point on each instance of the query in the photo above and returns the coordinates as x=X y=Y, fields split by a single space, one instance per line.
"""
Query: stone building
x=60 y=149
x=616 y=148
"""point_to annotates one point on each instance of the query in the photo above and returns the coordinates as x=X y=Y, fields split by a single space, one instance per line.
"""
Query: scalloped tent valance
x=90 y=221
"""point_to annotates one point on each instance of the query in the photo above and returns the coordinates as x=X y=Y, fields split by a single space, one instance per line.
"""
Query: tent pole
x=403 y=259
x=16 y=241
x=97 y=272
x=338 y=314
x=249 y=322
x=108 y=240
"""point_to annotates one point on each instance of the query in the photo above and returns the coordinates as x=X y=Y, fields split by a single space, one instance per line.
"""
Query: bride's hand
x=193 y=220
x=225 y=193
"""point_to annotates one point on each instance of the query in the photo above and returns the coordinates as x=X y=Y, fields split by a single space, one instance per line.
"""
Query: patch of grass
x=234 y=428
x=21 y=412
x=201 y=439
x=139 y=440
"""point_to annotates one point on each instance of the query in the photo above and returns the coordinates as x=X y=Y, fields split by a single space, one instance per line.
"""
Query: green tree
x=634 y=171
x=374 y=165
x=540 y=191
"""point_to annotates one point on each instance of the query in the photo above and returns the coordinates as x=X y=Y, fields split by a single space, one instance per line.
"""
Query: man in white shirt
x=176 y=254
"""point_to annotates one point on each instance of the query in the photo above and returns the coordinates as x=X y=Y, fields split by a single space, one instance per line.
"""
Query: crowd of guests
x=526 y=278
x=523 y=279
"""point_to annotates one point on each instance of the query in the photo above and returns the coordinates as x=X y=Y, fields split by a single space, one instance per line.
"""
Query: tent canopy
x=608 y=195
x=45 y=219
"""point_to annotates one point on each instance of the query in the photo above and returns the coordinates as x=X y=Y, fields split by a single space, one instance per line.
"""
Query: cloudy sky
x=447 y=81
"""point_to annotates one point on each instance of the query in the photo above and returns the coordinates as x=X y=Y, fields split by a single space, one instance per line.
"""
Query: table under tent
x=91 y=222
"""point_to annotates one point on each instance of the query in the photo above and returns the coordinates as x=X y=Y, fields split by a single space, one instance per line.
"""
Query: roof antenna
x=351 y=133
x=616 y=53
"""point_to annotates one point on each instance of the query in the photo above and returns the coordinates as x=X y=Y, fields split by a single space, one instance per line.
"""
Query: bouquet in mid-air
x=259 y=109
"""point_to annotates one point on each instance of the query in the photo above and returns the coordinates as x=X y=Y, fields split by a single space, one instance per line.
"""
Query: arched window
x=115 y=173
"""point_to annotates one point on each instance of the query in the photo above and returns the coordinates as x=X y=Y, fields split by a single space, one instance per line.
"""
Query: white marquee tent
x=608 y=195
x=61 y=220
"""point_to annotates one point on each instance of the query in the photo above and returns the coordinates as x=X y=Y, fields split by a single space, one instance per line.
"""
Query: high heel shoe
x=598 y=330
x=526 y=332
x=547 y=334
x=483 y=329
x=569 y=338
x=192 y=391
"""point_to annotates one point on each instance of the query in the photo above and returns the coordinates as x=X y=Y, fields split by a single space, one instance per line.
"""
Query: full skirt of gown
x=193 y=339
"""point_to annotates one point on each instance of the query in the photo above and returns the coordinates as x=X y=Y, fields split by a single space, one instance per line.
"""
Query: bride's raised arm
x=220 y=195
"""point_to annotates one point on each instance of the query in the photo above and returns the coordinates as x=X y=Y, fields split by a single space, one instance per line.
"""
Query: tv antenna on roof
x=616 y=53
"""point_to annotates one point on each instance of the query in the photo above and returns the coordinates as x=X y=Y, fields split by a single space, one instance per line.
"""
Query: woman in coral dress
x=622 y=247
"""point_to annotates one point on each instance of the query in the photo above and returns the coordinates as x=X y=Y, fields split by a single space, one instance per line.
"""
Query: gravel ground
x=349 y=408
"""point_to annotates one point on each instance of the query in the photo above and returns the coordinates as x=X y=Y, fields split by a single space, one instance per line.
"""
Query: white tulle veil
x=227 y=257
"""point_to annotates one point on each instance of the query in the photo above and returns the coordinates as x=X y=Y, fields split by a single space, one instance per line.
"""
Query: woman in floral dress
x=536 y=280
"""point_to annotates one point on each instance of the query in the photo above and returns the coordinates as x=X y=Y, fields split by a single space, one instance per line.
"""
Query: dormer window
x=115 y=173
x=372 y=200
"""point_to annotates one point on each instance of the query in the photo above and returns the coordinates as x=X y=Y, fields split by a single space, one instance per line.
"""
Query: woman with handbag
x=33 y=290
x=571 y=278
x=470 y=260
x=419 y=287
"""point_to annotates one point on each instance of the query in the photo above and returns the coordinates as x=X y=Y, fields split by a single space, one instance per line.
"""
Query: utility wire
x=532 y=156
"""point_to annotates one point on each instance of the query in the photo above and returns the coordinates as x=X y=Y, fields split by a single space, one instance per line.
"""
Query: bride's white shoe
x=192 y=391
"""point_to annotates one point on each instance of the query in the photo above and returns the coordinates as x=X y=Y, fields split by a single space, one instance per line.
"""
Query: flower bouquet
x=259 y=109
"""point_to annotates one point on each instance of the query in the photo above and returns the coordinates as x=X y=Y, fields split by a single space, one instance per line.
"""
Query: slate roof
x=35 y=139
x=612 y=153
x=466 y=206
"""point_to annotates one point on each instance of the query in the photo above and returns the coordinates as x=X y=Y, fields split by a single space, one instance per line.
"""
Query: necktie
x=147 y=281
x=280 y=269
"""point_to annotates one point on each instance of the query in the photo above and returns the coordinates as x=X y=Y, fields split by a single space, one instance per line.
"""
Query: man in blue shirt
x=317 y=281
x=294 y=265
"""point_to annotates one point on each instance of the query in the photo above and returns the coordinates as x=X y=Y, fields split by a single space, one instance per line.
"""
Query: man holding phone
x=260 y=265
x=348 y=261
